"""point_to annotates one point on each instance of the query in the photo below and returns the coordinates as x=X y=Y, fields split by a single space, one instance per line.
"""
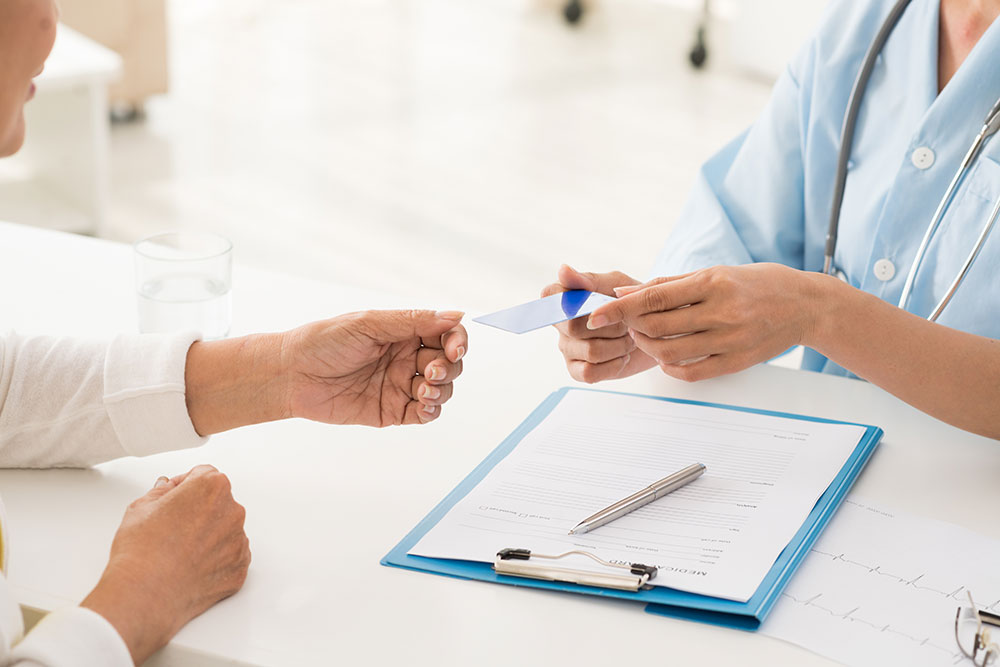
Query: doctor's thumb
x=605 y=283
x=570 y=278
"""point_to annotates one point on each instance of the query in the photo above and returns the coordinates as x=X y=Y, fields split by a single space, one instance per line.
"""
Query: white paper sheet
x=717 y=536
x=881 y=588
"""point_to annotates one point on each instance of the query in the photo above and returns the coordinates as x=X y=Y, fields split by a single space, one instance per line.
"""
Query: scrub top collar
x=961 y=106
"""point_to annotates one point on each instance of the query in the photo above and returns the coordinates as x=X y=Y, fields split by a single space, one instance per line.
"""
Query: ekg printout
x=717 y=536
x=881 y=587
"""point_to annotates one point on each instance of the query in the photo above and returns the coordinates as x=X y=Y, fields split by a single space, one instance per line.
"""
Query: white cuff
x=144 y=393
x=73 y=637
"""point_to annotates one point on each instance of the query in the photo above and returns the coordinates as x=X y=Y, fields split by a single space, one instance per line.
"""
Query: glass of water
x=184 y=282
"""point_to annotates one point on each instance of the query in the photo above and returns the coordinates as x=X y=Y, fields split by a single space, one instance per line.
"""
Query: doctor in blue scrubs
x=742 y=278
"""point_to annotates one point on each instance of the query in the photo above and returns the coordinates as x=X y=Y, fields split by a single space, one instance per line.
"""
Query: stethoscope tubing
x=850 y=124
x=968 y=262
x=942 y=207
x=990 y=127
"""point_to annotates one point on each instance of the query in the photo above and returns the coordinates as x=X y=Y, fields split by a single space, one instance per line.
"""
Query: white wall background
x=453 y=150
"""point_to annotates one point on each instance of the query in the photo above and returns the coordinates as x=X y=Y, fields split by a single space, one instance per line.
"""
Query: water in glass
x=185 y=302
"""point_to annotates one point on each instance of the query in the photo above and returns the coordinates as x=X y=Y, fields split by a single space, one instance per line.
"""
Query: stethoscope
x=990 y=126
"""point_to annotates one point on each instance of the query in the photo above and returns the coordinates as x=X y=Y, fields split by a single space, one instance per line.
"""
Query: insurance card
x=543 y=312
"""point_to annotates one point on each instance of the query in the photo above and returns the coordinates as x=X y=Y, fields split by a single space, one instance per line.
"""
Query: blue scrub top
x=766 y=196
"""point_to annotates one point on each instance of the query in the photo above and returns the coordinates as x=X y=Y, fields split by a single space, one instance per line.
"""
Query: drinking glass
x=183 y=282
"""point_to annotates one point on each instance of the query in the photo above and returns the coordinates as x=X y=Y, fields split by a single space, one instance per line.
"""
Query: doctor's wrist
x=824 y=309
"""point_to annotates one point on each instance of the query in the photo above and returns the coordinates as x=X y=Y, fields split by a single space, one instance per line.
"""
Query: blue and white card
x=545 y=311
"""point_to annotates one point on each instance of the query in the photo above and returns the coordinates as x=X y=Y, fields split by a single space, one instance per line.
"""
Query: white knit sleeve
x=68 y=402
x=72 y=637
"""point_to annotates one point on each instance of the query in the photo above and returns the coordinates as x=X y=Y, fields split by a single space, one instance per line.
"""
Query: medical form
x=718 y=536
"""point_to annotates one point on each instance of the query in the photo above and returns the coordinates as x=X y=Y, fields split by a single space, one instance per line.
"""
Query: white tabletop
x=324 y=504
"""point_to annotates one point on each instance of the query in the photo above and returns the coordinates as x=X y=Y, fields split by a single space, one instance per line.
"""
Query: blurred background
x=453 y=150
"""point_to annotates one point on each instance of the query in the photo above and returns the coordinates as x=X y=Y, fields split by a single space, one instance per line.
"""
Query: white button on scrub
x=922 y=158
x=884 y=270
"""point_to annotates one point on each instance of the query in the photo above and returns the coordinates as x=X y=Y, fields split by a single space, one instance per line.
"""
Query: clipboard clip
x=517 y=562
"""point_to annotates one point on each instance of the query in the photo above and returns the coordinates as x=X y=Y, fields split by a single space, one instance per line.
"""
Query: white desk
x=325 y=503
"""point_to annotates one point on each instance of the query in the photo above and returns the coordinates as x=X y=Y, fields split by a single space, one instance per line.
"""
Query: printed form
x=717 y=536
x=881 y=587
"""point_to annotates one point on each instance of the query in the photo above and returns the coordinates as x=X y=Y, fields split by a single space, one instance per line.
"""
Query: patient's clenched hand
x=180 y=549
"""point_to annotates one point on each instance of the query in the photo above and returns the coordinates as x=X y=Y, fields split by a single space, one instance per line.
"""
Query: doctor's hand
x=180 y=549
x=715 y=321
x=373 y=368
x=598 y=354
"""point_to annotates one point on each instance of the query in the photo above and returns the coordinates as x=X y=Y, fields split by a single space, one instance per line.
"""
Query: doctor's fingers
x=603 y=283
x=577 y=328
x=632 y=289
x=705 y=368
x=554 y=288
x=658 y=297
x=583 y=371
x=684 y=348
x=595 y=350
x=679 y=321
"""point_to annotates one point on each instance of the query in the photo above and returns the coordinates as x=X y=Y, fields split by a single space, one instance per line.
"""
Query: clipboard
x=658 y=600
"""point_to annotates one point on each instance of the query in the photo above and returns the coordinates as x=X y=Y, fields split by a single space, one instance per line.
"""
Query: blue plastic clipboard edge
x=769 y=592
x=663 y=601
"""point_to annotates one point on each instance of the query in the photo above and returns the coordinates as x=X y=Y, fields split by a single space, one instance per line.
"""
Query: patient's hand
x=180 y=549
x=376 y=368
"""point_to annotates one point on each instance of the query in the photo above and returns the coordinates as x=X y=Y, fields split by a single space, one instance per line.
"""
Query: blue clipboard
x=659 y=600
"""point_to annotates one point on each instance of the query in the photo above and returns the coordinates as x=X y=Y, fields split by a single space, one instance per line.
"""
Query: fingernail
x=459 y=353
x=627 y=289
x=597 y=321
x=436 y=373
x=428 y=410
x=625 y=361
x=160 y=481
x=430 y=392
x=455 y=315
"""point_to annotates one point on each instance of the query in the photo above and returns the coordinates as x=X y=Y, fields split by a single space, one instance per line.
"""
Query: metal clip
x=517 y=562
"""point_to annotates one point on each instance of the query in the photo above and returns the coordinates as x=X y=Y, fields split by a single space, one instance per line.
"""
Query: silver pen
x=668 y=484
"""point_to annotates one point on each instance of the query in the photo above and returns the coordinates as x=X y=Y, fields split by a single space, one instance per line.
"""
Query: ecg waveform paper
x=881 y=588
x=717 y=536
